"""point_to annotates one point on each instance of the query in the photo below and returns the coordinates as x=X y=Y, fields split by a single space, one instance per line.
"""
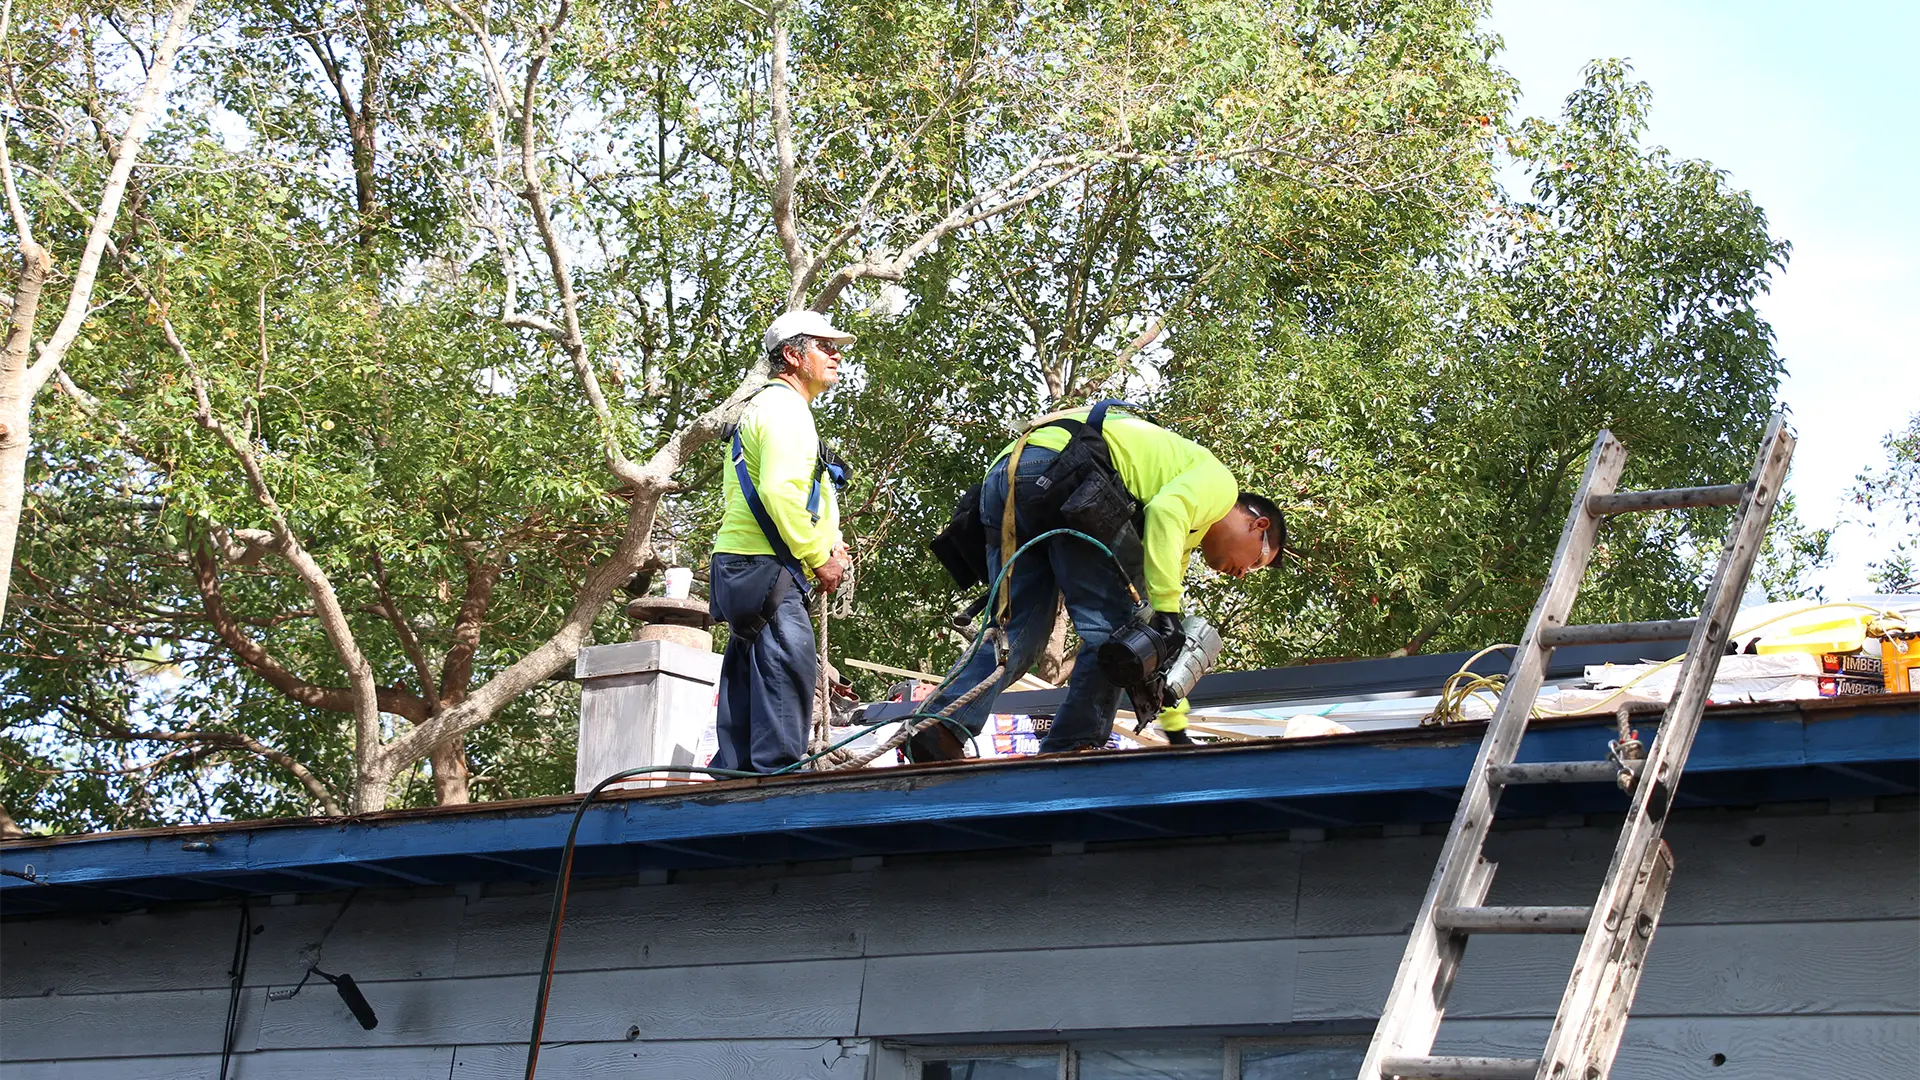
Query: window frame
x=914 y=1055
x=903 y=1060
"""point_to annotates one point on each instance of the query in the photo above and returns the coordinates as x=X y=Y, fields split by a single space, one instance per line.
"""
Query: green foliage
x=1890 y=497
x=1302 y=197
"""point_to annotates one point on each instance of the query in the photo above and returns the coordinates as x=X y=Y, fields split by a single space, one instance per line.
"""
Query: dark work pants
x=1097 y=602
x=766 y=677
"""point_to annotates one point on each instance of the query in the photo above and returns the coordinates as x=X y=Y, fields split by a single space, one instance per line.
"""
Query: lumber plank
x=125 y=1025
x=1747 y=1048
x=1151 y=895
x=1755 y=969
x=791 y=917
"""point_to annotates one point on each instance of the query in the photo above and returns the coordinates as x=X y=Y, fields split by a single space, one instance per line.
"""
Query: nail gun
x=1157 y=657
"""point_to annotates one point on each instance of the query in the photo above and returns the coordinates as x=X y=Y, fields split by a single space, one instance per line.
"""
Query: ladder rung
x=1555 y=772
x=1458 y=1068
x=1514 y=920
x=1554 y=637
x=1627 y=502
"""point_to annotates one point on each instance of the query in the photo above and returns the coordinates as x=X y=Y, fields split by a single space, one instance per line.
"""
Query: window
x=981 y=1066
x=1141 y=1059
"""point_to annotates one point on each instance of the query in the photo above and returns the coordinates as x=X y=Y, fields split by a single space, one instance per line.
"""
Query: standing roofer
x=780 y=533
x=1148 y=494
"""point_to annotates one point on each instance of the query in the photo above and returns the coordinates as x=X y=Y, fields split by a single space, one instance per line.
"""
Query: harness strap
x=759 y=509
x=1009 y=539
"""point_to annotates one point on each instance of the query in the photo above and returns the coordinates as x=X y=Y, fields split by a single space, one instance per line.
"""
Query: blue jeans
x=1097 y=602
x=766 y=677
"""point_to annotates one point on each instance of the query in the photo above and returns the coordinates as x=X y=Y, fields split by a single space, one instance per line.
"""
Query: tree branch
x=786 y=224
x=80 y=295
x=262 y=662
x=409 y=641
x=457 y=671
x=113 y=729
x=333 y=619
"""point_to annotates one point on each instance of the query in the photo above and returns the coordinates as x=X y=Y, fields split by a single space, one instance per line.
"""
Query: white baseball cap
x=805 y=321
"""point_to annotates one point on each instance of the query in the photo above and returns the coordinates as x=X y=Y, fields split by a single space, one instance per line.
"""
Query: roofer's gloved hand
x=1167 y=625
x=1173 y=721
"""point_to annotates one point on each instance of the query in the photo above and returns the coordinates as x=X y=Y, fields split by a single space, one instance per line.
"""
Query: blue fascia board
x=1360 y=779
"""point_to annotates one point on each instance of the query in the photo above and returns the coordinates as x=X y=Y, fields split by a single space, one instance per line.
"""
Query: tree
x=347 y=484
x=1892 y=495
x=1428 y=417
x=73 y=114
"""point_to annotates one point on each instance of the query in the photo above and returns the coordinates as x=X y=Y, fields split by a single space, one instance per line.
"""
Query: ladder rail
x=1416 y=1004
x=1619 y=927
x=1580 y=1039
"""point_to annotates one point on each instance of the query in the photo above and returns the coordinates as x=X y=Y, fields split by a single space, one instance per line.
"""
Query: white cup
x=679 y=582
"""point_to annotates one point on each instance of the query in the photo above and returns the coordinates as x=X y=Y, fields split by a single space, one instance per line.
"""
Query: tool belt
x=1079 y=490
x=744 y=618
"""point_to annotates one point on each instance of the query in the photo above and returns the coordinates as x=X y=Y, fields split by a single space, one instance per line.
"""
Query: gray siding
x=1790 y=946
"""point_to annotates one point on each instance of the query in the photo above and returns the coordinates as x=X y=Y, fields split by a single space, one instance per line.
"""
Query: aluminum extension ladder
x=1619 y=926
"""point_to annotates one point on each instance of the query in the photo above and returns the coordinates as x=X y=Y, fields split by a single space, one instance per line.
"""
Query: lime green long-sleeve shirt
x=782 y=450
x=1184 y=487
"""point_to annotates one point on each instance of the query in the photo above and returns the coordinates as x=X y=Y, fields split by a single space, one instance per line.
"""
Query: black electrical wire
x=242 y=951
x=558 y=914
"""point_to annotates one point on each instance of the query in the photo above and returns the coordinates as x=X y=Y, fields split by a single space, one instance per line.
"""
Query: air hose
x=919 y=722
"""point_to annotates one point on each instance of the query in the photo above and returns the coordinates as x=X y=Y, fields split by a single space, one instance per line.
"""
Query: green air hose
x=920 y=721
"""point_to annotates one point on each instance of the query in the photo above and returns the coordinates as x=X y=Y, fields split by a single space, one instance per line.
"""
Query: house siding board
x=815 y=999
x=1797 y=956
x=1769 y=1048
x=395 y=1063
x=1240 y=982
x=815 y=1059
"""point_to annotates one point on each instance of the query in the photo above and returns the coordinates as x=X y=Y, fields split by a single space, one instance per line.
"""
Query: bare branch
x=234 y=740
x=262 y=662
x=409 y=641
x=786 y=222
x=993 y=202
x=81 y=293
x=863 y=210
x=572 y=337
x=22 y=225
x=326 y=602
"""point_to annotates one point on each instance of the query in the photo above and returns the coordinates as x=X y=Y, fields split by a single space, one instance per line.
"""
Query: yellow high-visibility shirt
x=1184 y=487
x=782 y=450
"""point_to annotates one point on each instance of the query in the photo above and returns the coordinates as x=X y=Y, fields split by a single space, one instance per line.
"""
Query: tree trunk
x=450 y=773
x=16 y=394
x=8 y=830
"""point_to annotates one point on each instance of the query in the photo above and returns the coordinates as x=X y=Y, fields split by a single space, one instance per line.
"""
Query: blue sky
x=1810 y=107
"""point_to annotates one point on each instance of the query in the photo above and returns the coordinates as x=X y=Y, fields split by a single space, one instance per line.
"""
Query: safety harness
x=1080 y=490
x=826 y=463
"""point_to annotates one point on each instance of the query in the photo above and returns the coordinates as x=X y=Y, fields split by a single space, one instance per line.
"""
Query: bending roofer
x=1147 y=493
x=779 y=534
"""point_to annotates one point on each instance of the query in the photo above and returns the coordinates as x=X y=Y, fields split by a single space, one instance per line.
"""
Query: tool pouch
x=1100 y=506
x=1082 y=490
x=961 y=547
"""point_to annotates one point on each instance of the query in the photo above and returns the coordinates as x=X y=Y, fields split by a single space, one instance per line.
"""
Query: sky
x=1809 y=107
